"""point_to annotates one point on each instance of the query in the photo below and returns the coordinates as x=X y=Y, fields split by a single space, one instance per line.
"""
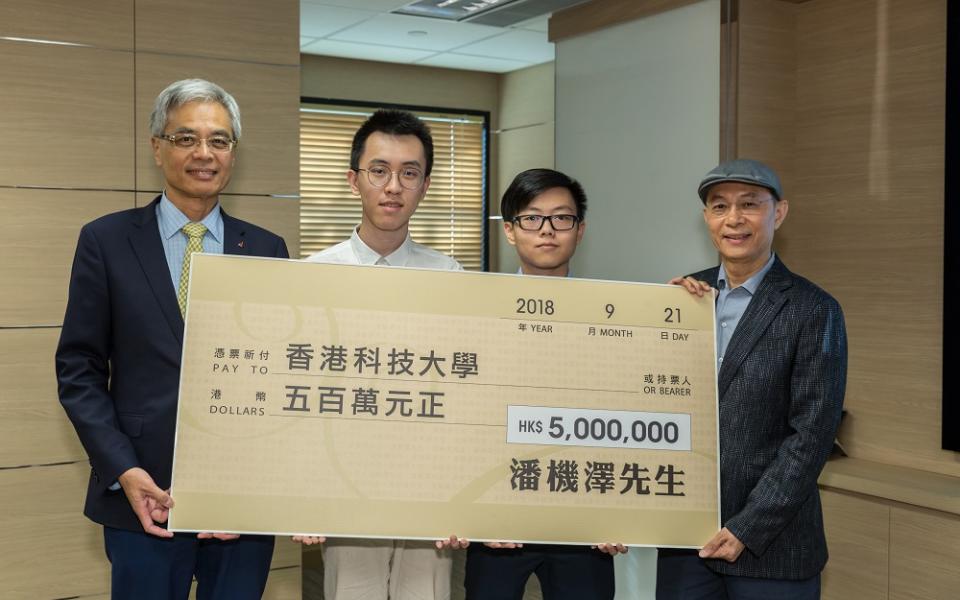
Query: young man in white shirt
x=390 y=163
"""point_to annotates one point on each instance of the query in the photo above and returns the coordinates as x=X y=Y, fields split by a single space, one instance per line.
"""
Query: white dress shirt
x=410 y=254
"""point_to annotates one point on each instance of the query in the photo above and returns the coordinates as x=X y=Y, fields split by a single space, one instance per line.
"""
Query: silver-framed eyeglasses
x=535 y=222
x=411 y=178
x=189 y=141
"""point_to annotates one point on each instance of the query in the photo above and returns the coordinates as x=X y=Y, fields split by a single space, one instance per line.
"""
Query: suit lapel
x=765 y=305
x=145 y=240
x=234 y=236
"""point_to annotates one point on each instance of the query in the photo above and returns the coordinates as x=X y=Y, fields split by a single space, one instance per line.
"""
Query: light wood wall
x=846 y=98
x=73 y=117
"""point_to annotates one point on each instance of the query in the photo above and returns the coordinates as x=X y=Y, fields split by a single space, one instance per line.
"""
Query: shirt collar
x=750 y=285
x=171 y=220
x=569 y=272
x=368 y=256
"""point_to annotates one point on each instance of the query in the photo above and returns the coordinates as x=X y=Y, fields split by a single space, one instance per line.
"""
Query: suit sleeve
x=281 y=250
x=83 y=364
x=817 y=384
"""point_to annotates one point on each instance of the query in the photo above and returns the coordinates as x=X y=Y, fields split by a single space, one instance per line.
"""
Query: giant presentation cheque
x=357 y=401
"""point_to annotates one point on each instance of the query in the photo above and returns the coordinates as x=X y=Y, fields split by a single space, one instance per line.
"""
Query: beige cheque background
x=388 y=476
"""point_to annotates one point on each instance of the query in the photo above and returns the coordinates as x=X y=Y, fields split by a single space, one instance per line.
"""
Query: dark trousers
x=144 y=567
x=682 y=575
x=565 y=572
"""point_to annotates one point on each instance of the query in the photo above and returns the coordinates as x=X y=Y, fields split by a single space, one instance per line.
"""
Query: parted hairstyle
x=531 y=183
x=392 y=122
x=181 y=92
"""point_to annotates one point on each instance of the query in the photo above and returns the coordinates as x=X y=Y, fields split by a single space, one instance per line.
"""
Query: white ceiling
x=365 y=29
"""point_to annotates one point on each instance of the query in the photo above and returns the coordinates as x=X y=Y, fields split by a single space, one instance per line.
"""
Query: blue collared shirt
x=170 y=221
x=732 y=303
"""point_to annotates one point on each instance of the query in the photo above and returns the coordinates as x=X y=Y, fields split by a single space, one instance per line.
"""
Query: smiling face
x=742 y=219
x=547 y=251
x=195 y=174
x=387 y=209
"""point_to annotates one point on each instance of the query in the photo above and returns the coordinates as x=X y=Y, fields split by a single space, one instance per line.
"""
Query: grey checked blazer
x=781 y=388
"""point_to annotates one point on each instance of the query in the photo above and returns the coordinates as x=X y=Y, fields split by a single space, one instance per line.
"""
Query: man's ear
x=509 y=232
x=780 y=213
x=352 y=180
x=156 y=151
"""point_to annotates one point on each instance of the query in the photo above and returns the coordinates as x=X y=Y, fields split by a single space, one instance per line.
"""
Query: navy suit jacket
x=781 y=388
x=118 y=360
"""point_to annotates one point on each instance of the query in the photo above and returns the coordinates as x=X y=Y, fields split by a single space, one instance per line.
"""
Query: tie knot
x=195 y=230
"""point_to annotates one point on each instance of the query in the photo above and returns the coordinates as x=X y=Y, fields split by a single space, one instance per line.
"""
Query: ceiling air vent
x=496 y=13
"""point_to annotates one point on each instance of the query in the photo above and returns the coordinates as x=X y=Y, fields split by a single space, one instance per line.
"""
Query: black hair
x=392 y=122
x=531 y=183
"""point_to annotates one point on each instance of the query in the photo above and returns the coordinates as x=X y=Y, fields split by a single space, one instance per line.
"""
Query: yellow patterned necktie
x=194 y=233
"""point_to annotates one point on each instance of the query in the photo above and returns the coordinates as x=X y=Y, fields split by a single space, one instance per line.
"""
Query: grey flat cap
x=742 y=170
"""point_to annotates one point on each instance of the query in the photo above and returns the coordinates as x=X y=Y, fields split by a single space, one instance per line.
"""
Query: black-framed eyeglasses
x=535 y=222
x=188 y=141
x=411 y=178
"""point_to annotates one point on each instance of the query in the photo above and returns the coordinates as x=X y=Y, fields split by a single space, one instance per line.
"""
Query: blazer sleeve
x=817 y=384
x=83 y=363
x=281 y=251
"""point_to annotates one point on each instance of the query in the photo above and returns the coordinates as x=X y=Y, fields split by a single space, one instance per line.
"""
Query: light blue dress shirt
x=170 y=221
x=731 y=304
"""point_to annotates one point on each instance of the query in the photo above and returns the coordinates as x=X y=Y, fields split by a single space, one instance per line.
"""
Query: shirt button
x=723 y=324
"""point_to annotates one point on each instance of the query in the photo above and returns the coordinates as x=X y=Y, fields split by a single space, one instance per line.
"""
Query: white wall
x=638 y=123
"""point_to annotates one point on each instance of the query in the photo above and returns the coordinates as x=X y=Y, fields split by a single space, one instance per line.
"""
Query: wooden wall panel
x=283 y=584
x=242 y=30
x=866 y=213
x=286 y=553
x=269 y=150
x=66 y=114
x=104 y=23
x=345 y=79
x=923 y=555
x=858 y=538
x=33 y=426
x=49 y=550
x=71 y=115
x=526 y=97
x=597 y=14
x=767 y=89
x=38 y=237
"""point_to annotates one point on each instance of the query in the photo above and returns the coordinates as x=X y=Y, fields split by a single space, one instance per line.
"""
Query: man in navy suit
x=118 y=360
x=782 y=368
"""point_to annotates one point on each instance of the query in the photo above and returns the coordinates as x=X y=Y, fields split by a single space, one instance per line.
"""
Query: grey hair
x=181 y=92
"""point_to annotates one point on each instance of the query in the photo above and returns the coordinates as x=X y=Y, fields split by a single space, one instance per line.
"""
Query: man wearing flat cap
x=782 y=363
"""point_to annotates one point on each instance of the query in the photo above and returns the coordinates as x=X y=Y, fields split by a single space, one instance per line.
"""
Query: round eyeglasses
x=410 y=178
x=535 y=222
x=189 y=141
